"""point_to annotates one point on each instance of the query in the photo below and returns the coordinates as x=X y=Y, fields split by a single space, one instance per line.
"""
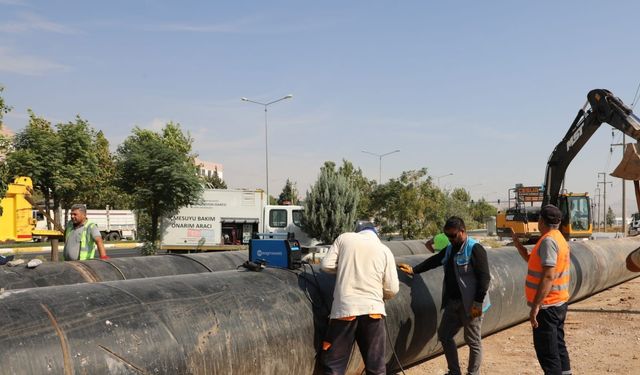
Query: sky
x=479 y=93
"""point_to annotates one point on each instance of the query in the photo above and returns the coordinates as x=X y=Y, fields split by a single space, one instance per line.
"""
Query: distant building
x=6 y=133
x=207 y=168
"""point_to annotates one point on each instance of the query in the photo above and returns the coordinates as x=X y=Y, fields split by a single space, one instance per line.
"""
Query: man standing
x=464 y=293
x=81 y=237
x=366 y=275
x=547 y=291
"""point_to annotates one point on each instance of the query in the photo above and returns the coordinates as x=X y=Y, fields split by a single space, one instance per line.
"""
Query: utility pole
x=604 y=195
x=598 y=224
x=624 y=183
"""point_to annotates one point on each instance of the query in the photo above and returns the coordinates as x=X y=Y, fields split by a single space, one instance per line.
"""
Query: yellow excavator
x=601 y=107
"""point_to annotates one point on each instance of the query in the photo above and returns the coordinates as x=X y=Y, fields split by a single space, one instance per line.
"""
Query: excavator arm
x=601 y=106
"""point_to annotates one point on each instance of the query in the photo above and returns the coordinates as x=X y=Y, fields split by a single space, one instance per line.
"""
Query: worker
x=464 y=293
x=547 y=291
x=366 y=276
x=81 y=236
x=438 y=243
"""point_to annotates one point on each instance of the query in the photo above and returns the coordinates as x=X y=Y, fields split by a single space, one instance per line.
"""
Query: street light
x=380 y=156
x=439 y=177
x=266 y=143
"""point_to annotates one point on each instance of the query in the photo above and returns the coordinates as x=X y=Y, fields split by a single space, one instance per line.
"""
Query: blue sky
x=483 y=90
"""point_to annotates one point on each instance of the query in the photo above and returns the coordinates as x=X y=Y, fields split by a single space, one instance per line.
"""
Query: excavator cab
x=576 y=215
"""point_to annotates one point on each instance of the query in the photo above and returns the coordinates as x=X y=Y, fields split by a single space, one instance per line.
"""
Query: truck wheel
x=113 y=236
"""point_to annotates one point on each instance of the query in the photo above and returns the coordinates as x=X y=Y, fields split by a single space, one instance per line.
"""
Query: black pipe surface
x=240 y=322
x=75 y=272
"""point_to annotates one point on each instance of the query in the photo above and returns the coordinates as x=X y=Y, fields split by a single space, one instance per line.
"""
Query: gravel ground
x=602 y=334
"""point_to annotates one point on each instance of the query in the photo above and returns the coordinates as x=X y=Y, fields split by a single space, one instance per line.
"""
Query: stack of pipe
x=240 y=322
x=90 y=271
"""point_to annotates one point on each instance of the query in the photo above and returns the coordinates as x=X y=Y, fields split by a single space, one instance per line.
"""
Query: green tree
x=611 y=217
x=362 y=184
x=79 y=169
x=36 y=155
x=409 y=206
x=103 y=191
x=289 y=194
x=481 y=211
x=330 y=205
x=159 y=172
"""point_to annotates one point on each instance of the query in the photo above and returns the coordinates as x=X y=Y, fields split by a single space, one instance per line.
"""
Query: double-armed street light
x=266 y=141
x=380 y=156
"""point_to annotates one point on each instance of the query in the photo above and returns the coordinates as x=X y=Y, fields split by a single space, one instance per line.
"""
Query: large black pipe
x=239 y=322
x=65 y=273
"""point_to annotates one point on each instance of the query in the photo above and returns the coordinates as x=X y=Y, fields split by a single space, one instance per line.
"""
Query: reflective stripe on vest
x=87 y=243
x=560 y=287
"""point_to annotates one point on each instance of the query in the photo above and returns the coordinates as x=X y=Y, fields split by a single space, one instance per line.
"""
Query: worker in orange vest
x=547 y=291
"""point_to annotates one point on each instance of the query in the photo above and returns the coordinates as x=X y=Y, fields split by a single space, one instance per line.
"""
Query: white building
x=207 y=168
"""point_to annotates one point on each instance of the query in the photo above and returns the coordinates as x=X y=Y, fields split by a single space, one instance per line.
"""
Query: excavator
x=601 y=107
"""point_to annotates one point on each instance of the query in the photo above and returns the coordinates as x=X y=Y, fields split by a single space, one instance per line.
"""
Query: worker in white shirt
x=366 y=276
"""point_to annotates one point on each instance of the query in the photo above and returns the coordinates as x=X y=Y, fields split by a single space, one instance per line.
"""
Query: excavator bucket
x=629 y=167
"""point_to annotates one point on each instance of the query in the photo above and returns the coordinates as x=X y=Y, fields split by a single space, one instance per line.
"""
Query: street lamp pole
x=266 y=135
x=380 y=156
x=439 y=177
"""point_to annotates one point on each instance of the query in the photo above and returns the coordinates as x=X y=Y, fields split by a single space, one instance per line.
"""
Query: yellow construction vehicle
x=601 y=106
x=17 y=223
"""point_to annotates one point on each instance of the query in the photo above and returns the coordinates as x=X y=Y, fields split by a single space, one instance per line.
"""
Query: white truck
x=114 y=225
x=226 y=219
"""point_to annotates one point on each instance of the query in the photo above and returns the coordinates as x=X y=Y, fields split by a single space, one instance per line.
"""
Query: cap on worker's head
x=365 y=224
x=551 y=214
x=440 y=242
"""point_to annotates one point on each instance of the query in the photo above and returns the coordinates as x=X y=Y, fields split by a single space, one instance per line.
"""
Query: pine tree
x=330 y=205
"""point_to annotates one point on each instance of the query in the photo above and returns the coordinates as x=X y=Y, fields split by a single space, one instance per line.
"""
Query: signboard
x=529 y=194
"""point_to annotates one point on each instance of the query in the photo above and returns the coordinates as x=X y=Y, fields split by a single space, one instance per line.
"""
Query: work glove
x=104 y=257
x=405 y=268
x=476 y=310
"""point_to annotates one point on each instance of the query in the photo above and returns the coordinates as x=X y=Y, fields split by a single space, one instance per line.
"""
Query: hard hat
x=440 y=241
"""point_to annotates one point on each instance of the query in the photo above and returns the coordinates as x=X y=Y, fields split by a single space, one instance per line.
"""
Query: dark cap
x=365 y=224
x=551 y=214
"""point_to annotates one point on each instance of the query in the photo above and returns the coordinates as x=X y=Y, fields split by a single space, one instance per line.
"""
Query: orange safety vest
x=560 y=287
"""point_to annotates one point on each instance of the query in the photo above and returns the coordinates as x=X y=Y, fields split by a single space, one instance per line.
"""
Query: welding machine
x=275 y=250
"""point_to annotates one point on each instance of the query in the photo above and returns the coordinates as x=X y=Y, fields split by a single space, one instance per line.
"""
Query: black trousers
x=369 y=333
x=548 y=340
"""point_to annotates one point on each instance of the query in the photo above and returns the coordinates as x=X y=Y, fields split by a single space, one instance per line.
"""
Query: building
x=208 y=169
x=5 y=133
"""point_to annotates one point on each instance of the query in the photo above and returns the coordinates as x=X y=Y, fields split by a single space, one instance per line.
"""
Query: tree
x=35 y=155
x=330 y=205
x=362 y=184
x=214 y=181
x=611 y=217
x=481 y=211
x=289 y=194
x=159 y=172
x=103 y=192
x=409 y=205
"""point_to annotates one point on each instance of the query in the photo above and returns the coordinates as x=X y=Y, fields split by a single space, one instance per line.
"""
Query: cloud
x=28 y=22
x=27 y=65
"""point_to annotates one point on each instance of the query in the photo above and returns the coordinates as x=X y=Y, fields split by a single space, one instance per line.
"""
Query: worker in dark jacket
x=464 y=293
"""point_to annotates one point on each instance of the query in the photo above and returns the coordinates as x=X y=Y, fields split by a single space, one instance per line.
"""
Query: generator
x=279 y=250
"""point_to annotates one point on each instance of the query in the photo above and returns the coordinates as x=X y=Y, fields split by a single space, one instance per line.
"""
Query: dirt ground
x=602 y=335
